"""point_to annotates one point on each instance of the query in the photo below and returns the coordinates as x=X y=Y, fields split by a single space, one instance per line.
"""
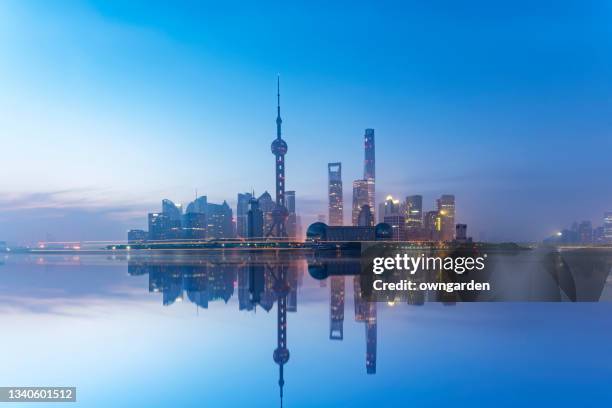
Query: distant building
x=461 y=233
x=242 y=209
x=369 y=163
x=173 y=211
x=392 y=213
x=433 y=225
x=321 y=218
x=336 y=202
x=585 y=232
x=162 y=227
x=446 y=211
x=414 y=211
x=323 y=232
x=255 y=220
x=136 y=236
x=199 y=205
x=598 y=235
x=390 y=206
x=291 y=226
x=219 y=221
x=195 y=225
x=365 y=218
x=360 y=198
x=607 y=227
x=267 y=206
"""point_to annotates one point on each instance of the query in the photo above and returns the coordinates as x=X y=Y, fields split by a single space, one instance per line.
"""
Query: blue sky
x=109 y=106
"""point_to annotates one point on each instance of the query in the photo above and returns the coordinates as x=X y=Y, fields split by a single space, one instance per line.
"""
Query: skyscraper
x=199 y=205
x=363 y=194
x=365 y=218
x=392 y=214
x=267 y=205
x=336 y=205
x=291 y=225
x=446 y=210
x=195 y=225
x=219 y=219
x=255 y=220
x=433 y=225
x=369 y=169
x=242 y=209
x=414 y=211
x=279 y=149
x=607 y=227
x=585 y=232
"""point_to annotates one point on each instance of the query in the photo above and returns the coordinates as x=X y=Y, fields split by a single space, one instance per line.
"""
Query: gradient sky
x=106 y=107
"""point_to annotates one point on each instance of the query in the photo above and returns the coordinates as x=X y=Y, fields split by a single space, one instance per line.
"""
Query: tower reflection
x=261 y=281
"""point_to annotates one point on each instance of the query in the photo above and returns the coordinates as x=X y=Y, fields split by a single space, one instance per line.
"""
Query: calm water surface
x=207 y=331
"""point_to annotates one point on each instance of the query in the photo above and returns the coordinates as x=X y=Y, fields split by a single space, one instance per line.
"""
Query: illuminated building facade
x=336 y=203
x=291 y=226
x=242 y=209
x=219 y=220
x=255 y=220
x=607 y=227
x=363 y=194
x=433 y=225
x=446 y=210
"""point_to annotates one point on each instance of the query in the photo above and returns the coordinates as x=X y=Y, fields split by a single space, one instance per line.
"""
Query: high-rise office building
x=391 y=213
x=198 y=205
x=369 y=165
x=365 y=218
x=446 y=210
x=291 y=225
x=363 y=194
x=461 y=232
x=136 y=236
x=607 y=227
x=160 y=227
x=336 y=204
x=414 y=211
x=219 y=221
x=173 y=211
x=195 y=225
x=585 y=232
x=267 y=205
x=242 y=209
x=167 y=224
x=255 y=220
x=433 y=225
x=369 y=169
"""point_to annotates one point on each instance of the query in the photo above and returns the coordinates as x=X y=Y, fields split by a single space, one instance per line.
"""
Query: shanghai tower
x=369 y=169
x=279 y=149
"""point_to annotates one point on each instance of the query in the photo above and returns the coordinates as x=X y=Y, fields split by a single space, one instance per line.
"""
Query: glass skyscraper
x=336 y=205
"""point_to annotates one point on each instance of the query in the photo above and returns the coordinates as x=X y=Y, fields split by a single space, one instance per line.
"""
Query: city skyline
x=88 y=142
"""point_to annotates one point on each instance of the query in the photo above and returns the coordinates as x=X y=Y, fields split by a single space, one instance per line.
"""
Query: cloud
x=71 y=215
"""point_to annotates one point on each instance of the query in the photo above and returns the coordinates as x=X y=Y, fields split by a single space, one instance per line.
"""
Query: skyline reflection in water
x=208 y=330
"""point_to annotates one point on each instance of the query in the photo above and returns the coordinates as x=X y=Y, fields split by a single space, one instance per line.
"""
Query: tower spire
x=278 y=117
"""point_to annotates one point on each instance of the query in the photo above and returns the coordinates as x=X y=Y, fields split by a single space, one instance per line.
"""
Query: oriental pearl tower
x=279 y=149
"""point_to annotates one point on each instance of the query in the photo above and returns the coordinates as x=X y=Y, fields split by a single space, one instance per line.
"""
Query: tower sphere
x=279 y=147
x=281 y=355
